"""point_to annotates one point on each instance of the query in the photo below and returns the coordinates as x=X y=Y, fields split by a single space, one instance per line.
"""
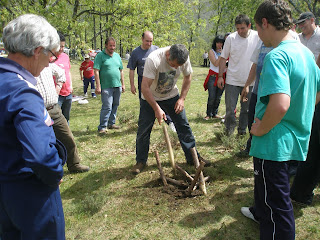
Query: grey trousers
x=232 y=94
x=64 y=134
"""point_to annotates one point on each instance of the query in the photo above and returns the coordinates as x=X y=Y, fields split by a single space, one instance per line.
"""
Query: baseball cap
x=304 y=16
x=86 y=56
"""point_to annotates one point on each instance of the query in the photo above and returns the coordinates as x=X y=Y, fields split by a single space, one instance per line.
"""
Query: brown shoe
x=136 y=169
x=207 y=162
x=113 y=127
x=103 y=131
x=78 y=168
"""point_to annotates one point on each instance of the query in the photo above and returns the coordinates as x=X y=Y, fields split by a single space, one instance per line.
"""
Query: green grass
x=109 y=202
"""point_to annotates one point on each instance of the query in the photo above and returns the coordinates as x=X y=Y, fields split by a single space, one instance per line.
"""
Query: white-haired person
x=31 y=162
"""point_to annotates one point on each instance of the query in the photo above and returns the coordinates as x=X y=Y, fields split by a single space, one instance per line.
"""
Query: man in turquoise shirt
x=110 y=83
x=287 y=94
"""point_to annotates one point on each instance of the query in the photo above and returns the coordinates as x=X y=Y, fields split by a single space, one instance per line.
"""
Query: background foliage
x=86 y=23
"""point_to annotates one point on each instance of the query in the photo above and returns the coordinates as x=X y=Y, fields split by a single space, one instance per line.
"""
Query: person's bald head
x=147 y=39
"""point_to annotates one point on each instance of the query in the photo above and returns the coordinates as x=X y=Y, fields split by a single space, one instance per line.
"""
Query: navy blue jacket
x=27 y=140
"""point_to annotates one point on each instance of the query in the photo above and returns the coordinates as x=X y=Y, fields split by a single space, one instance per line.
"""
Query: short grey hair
x=179 y=52
x=27 y=32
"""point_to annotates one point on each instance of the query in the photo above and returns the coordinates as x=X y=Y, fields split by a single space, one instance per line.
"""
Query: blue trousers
x=65 y=104
x=30 y=210
x=272 y=204
x=110 y=98
x=145 y=124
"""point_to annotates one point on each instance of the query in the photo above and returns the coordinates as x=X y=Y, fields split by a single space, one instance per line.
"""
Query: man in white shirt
x=238 y=48
x=160 y=94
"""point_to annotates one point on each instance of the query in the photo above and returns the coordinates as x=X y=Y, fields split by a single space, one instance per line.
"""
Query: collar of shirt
x=15 y=67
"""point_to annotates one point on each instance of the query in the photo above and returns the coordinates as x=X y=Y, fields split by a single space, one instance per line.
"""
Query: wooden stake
x=181 y=184
x=202 y=184
x=196 y=177
x=163 y=178
x=166 y=136
x=185 y=173
x=197 y=184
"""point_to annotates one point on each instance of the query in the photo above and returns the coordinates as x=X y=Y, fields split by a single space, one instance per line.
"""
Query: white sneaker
x=173 y=128
x=246 y=212
x=86 y=95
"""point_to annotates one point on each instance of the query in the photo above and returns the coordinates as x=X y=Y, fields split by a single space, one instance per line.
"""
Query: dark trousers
x=273 y=208
x=252 y=111
x=64 y=134
x=145 y=124
x=86 y=82
x=29 y=209
x=308 y=173
x=214 y=97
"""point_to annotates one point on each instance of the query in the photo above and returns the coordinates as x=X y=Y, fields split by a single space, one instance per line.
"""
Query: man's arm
x=145 y=89
x=131 y=77
x=184 y=91
x=318 y=61
x=81 y=74
x=222 y=68
x=277 y=107
x=122 y=80
x=97 y=78
x=250 y=80
x=60 y=76
x=318 y=98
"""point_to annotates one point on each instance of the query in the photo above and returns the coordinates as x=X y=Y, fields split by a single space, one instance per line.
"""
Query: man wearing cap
x=308 y=172
x=87 y=75
x=310 y=34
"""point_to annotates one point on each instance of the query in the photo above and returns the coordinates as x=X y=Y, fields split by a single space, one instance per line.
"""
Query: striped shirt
x=46 y=86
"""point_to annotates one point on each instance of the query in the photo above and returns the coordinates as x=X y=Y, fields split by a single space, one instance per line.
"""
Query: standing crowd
x=273 y=71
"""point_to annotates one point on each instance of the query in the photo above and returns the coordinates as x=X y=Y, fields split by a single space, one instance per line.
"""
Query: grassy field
x=109 y=202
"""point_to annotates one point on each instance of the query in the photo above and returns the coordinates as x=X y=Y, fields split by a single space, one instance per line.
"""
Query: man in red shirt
x=87 y=75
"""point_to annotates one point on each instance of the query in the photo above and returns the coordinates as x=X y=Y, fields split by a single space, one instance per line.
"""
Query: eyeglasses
x=53 y=58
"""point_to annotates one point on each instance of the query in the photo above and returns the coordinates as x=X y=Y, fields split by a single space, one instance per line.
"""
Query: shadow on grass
x=227 y=215
x=84 y=136
x=88 y=194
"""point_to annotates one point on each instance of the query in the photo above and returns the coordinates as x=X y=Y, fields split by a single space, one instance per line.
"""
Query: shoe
x=242 y=154
x=136 y=169
x=207 y=162
x=78 y=168
x=206 y=118
x=217 y=116
x=247 y=213
x=103 y=131
x=94 y=96
x=85 y=95
x=241 y=133
x=113 y=127
x=172 y=127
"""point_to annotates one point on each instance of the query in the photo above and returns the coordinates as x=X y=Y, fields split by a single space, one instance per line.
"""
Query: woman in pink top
x=65 y=95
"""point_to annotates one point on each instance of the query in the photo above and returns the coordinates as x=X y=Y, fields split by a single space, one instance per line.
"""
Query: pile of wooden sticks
x=191 y=183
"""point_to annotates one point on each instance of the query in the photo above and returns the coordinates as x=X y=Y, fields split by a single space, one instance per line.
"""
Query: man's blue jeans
x=231 y=98
x=110 y=98
x=65 y=104
x=146 y=121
